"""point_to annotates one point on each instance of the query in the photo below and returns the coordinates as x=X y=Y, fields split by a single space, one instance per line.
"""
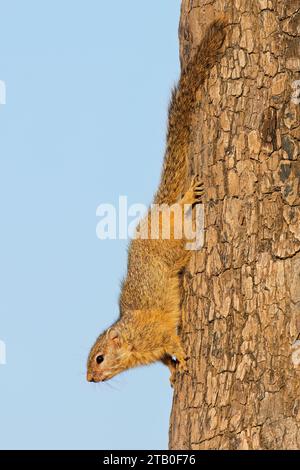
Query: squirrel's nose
x=90 y=377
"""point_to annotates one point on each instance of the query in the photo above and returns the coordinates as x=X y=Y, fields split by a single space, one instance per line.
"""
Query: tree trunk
x=241 y=313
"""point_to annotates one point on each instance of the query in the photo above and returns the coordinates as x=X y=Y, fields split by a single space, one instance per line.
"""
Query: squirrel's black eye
x=99 y=359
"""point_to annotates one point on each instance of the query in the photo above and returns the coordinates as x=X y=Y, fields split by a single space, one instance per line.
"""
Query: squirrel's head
x=109 y=356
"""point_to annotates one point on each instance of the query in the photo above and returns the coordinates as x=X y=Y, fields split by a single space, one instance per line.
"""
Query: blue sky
x=87 y=89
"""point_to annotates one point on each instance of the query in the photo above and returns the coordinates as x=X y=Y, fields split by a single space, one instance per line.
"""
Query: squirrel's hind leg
x=195 y=193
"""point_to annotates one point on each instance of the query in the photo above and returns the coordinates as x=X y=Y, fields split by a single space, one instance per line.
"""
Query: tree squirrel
x=150 y=295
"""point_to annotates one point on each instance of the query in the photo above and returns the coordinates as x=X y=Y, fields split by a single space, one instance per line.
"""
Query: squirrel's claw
x=183 y=368
x=195 y=192
x=173 y=379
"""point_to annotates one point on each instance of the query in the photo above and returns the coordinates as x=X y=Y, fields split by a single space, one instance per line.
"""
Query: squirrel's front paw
x=182 y=366
x=178 y=363
x=173 y=379
x=180 y=369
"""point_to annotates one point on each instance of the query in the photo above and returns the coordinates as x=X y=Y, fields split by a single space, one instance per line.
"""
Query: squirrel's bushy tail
x=174 y=173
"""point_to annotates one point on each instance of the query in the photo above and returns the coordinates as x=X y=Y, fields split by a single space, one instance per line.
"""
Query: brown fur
x=150 y=296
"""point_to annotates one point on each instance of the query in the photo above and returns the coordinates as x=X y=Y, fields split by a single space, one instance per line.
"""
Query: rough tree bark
x=241 y=314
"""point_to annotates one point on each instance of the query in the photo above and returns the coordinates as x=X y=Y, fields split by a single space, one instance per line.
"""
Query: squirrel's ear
x=114 y=336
